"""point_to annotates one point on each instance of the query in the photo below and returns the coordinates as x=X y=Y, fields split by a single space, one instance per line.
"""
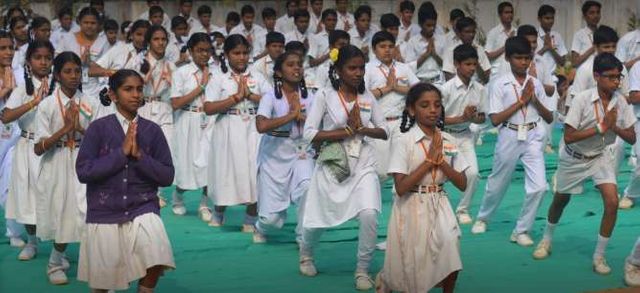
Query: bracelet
x=43 y=148
x=359 y=128
x=202 y=87
x=380 y=91
x=348 y=130
x=30 y=103
x=599 y=128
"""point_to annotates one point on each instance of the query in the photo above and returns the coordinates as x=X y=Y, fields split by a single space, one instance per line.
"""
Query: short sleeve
x=447 y=61
x=485 y=64
x=459 y=163
x=495 y=98
x=176 y=85
x=213 y=91
x=634 y=78
x=399 y=160
x=491 y=44
x=265 y=109
x=377 y=117
x=561 y=49
x=629 y=116
x=16 y=99
x=106 y=60
x=42 y=122
x=483 y=101
x=314 y=118
x=574 y=114
x=541 y=95
x=411 y=76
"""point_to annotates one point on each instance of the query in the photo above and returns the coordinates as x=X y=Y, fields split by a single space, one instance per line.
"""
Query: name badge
x=155 y=107
x=353 y=147
x=204 y=122
x=85 y=75
x=301 y=149
x=6 y=131
x=522 y=132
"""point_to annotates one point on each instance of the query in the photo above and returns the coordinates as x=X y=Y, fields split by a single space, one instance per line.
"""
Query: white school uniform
x=166 y=21
x=198 y=27
x=328 y=202
x=391 y=105
x=557 y=42
x=285 y=24
x=285 y=164
x=314 y=20
x=253 y=35
x=504 y=92
x=496 y=38
x=122 y=56
x=434 y=252
x=17 y=64
x=572 y=172
x=21 y=201
x=448 y=64
x=189 y=126
x=430 y=70
x=582 y=41
x=296 y=35
x=58 y=31
x=9 y=135
x=362 y=40
x=191 y=21
x=264 y=68
x=633 y=189
x=345 y=20
x=318 y=46
x=61 y=204
x=628 y=46
x=157 y=93
x=456 y=96
x=537 y=64
x=584 y=80
x=411 y=30
x=234 y=143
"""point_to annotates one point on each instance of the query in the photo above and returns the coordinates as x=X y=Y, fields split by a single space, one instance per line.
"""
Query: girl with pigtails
x=39 y=30
x=285 y=160
x=21 y=106
x=344 y=184
x=234 y=97
x=423 y=235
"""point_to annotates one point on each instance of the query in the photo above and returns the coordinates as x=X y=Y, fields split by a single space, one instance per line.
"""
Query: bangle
x=599 y=128
x=359 y=128
x=43 y=148
x=30 y=103
x=348 y=130
x=202 y=87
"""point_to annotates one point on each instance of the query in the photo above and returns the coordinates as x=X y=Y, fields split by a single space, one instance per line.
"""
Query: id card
x=85 y=75
x=204 y=122
x=522 y=132
x=301 y=149
x=6 y=131
x=155 y=107
x=353 y=147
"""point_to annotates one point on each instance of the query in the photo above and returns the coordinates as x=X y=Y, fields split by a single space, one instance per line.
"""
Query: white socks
x=634 y=258
x=548 y=231
x=177 y=197
x=32 y=239
x=56 y=257
x=601 y=246
x=203 y=200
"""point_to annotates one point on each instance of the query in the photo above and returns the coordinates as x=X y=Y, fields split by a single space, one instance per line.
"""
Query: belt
x=27 y=135
x=427 y=188
x=392 y=118
x=233 y=111
x=192 y=109
x=452 y=130
x=578 y=155
x=151 y=99
x=277 y=133
x=530 y=125
x=63 y=144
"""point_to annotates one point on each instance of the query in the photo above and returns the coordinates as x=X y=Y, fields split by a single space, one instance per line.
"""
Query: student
x=188 y=85
x=98 y=5
x=233 y=19
x=234 y=96
x=250 y=30
x=389 y=82
x=21 y=106
x=628 y=50
x=517 y=105
x=125 y=239
x=550 y=43
x=60 y=124
x=63 y=24
x=466 y=33
x=285 y=160
x=346 y=21
x=390 y=23
x=633 y=189
x=111 y=29
x=177 y=50
x=124 y=29
x=498 y=35
x=465 y=102
x=263 y=67
x=344 y=117
x=156 y=14
x=454 y=15
x=407 y=28
x=419 y=171
x=596 y=117
x=166 y=21
x=39 y=30
x=18 y=27
x=315 y=20
x=632 y=266
x=319 y=46
x=582 y=46
x=285 y=23
x=427 y=48
x=363 y=31
x=204 y=25
x=185 y=11
x=337 y=40
x=301 y=31
x=309 y=73
x=269 y=19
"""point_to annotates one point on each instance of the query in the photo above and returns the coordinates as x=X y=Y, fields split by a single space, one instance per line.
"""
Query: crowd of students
x=316 y=109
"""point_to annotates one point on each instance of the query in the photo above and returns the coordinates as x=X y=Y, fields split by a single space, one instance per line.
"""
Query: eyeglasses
x=613 y=77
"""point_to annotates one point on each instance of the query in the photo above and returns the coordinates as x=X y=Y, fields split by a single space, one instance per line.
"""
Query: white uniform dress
x=234 y=144
x=285 y=163
x=633 y=189
x=328 y=202
x=430 y=71
x=189 y=124
x=61 y=204
x=9 y=135
x=629 y=46
x=423 y=245
x=582 y=41
x=121 y=56
x=21 y=202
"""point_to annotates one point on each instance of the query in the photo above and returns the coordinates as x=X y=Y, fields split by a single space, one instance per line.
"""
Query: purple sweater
x=120 y=188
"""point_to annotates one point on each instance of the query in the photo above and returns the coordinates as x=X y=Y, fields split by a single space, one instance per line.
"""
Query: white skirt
x=188 y=131
x=21 y=201
x=114 y=255
x=160 y=113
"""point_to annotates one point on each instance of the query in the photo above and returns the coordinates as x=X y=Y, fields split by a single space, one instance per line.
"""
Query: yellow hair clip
x=333 y=55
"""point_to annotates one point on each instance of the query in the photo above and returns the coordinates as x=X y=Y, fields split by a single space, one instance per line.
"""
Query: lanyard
x=195 y=76
x=71 y=142
x=344 y=103
x=434 y=169
x=163 y=76
x=385 y=74
x=524 y=108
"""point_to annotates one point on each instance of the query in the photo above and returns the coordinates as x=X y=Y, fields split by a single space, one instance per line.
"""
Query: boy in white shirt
x=596 y=118
x=454 y=16
x=498 y=35
x=319 y=46
x=424 y=51
x=464 y=102
x=407 y=28
x=204 y=25
x=264 y=66
x=346 y=21
x=285 y=24
x=249 y=30
x=337 y=40
x=315 y=17
x=301 y=31
x=550 y=43
x=390 y=23
x=166 y=22
x=65 y=24
x=517 y=105
x=466 y=33
x=362 y=33
x=233 y=19
x=628 y=50
x=582 y=46
x=185 y=11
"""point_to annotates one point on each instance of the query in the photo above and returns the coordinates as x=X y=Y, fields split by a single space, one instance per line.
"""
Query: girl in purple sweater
x=124 y=159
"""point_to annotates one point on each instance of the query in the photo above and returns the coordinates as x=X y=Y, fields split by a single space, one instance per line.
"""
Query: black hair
x=546 y=9
x=14 y=22
x=233 y=16
x=389 y=20
x=277 y=81
x=589 y=4
x=527 y=30
x=336 y=35
x=186 y=1
x=230 y=43
x=414 y=94
x=465 y=22
x=517 y=45
x=456 y=14
x=215 y=35
x=426 y=12
x=362 y=10
x=606 y=61
x=64 y=58
x=87 y=11
x=268 y=12
x=6 y=35
x=604 y=34
x=124 y=26
x=382 y=36
x=115 y=81
x=247 y=9
x=37 y=23
x=407 y=5
x=345 y=54
x=138 y=24
x=464 y=52
x=177 y=21
x=28 y=81
x=328 y=12
x=274 y=37
x=66 y=10
x=111 y=25
x=98 y=2
x=197 y=38
x=289 y=2
x=155 y=10
x=145 y=67
x=504 y=5
x=296 y=46
x=204 y=9
x=11 y=10
x=300 y=13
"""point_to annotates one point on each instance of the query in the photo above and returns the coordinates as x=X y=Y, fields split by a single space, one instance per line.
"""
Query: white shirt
x=583 y=79
x=504 y=92
x=17 y=64
x=634 y=84
x=159 y=77
x=375 y=76
x=90 y=85
x=314 y=20
x=284 y=24
x=296 y=35
x=456 y=96
x=122 y=56
x=124 y=122
x=56 y=33
x=19 y=97
x=537 y=63
x=496 y=38
x=319 y=44
x=416 y=46
x=191 y=21
x=253 y=35
x=49 y=118
x=582 y=41
x=582 y=116
x=410 y=30
x=629 y=46
x=557 y=42
x=199 y=28
x=345 y=20
x=448 y=63
x=166 y=21
x=222 y=86
x=263 y=67
x=186 y=79
x=364 y=40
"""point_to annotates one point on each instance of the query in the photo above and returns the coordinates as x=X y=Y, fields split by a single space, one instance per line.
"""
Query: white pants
x=634 y=257
x=467 y=149
x=275 y=221
x=367 y=236
x=633 y=189
x=508 y=151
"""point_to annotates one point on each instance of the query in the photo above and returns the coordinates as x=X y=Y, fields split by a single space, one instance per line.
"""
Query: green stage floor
x=224 y=259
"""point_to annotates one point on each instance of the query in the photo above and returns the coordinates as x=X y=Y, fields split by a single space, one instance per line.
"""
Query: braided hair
x=413 y=95
x=115 y=82
x=230 y=43
x=64 y=58
x=277 y=80
x=145 y=67
x=28 y=81
x=345 y=54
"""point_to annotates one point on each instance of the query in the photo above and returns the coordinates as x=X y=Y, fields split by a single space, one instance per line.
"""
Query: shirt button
x=126 y=166
x=126 y=213
x=124 y=180
x=124 y=197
